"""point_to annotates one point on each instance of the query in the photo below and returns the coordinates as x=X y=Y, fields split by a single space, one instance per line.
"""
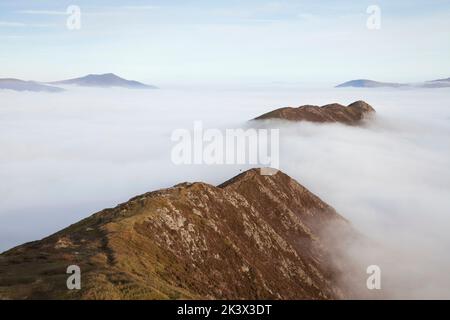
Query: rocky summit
x=353 y=114
x=252 y=237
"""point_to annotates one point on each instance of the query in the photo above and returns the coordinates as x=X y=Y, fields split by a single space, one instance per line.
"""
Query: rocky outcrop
x=352 y=114
x=253 y=237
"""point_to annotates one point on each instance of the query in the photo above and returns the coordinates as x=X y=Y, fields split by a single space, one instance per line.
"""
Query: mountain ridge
x=353 y=114
x=252 y=237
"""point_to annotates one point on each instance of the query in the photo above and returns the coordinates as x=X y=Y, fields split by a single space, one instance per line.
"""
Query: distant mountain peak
x=104 y=80
x=366 y=83
x=102 y=75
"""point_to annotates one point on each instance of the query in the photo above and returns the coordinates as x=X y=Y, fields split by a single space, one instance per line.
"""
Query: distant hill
x=364 y=83
x=441 y=80
x=439 y=83
x=21 y=85
x=352 y=114
x=104 y=81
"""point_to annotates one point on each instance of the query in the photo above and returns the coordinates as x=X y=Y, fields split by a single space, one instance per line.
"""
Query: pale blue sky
x=207 y=41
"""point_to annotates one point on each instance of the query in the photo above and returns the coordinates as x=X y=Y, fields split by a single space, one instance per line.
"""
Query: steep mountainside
x=253 y=237
x=353 y=114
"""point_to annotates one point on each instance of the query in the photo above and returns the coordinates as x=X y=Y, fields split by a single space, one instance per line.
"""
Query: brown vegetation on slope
x=353 y=114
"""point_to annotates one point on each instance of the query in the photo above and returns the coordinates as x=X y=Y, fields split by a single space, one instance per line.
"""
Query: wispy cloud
x=10 y=37
x=43 y=12
x=15 y=24
x=148 y=7
x=94 y=10
x=12 y=24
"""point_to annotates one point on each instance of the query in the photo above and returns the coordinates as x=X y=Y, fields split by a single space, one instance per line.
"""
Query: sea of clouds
x=65 y=156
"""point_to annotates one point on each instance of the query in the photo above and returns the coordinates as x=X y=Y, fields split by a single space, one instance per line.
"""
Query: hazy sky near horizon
x=202 y=41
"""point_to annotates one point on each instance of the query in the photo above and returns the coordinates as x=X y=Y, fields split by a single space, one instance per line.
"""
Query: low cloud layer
x=64 y=156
